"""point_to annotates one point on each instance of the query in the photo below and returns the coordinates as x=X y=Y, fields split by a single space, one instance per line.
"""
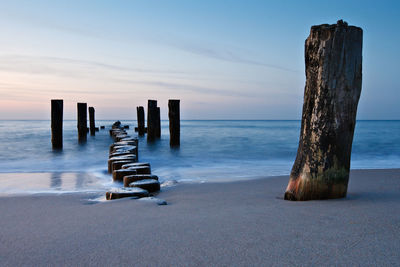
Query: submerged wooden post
x=140 y=120
x=158 y=123
x=151 y=120
x=174 y=123
x=57 y=123
x=82 y=121
x=92 y=121
x=333 y=58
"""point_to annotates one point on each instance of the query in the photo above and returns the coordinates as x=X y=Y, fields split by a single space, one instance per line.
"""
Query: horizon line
x=195 y=120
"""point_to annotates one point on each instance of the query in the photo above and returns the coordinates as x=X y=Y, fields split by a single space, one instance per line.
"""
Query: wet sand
x=51 y=182
x=238 y=224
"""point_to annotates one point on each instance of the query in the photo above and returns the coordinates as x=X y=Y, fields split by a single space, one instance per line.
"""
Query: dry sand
x=235 y=224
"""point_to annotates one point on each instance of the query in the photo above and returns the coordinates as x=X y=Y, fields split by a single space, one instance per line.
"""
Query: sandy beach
x=237 y=224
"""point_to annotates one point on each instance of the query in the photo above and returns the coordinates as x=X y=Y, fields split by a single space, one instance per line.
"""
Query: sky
x=222 y=59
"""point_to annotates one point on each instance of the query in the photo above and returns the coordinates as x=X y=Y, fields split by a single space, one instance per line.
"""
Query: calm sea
x=210 y=150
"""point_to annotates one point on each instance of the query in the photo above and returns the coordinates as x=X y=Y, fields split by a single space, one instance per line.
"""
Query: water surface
x=210 y=150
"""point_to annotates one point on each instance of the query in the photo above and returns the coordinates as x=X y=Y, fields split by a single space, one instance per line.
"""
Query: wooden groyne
x=140 y=120
x=82 y=122
x=158 y=123
x=57 y=123
x=152 y=114
x=174 y=123
x=92 y=126
x=153 y=129
x=123 y=164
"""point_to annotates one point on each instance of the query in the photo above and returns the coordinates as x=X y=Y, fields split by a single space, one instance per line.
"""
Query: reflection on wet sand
x=80 y=178
x=54 y=182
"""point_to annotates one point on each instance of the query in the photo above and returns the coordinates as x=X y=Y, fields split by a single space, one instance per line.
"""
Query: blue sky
x=223 y=59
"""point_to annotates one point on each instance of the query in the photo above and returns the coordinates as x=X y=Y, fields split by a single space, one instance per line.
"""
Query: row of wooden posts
x=57 y=122
x=123 y=164
x=153 y=129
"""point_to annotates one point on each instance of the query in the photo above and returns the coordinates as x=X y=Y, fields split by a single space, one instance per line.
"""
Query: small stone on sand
x=158 y=201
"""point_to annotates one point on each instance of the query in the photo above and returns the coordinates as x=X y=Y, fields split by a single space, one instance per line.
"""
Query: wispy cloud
x=82 y=69
x=184 y=87
x=66 y=66
x=42 y=22
x=225 y=54
x=119 y=77
x=193 y=47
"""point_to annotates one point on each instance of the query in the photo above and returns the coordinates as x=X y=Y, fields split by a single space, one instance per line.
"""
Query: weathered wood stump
x=137 y=150
x=122 y=143
x=124 y=148
x=118 y=175
x=118 y=134
x=91 y=121
x=137 y=177
x=124 y=167
x=131 y=158
x=158 y=123
x=82 y=122
x=57 y=123
x=123 y=153
x=174 y=123
x=120 y=153
x=135 y=164
x=119 y=137
x=151 y=120
x=116 y=124
x=333 y=58
x=127 y=139
x=150 y=185
x=133 y=192
x=139 y=169
x=117 y=165
x=140 y=120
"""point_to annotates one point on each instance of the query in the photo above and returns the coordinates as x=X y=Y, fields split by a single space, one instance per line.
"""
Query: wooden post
x=92 y=121
x=137 y=150
x=158 y=124
x=333 y=56
x=151 y=120
x=140 y=120
x=174 y=123
x=57 y=123
x=82 y=122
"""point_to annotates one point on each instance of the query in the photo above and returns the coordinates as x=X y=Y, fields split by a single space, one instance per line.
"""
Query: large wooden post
x=140 y=120
x=82 y=122
x=92 y=121
x=158 y=123
x=57 y=123
x=151 y=120
x=174 y=123
x=333 y=58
